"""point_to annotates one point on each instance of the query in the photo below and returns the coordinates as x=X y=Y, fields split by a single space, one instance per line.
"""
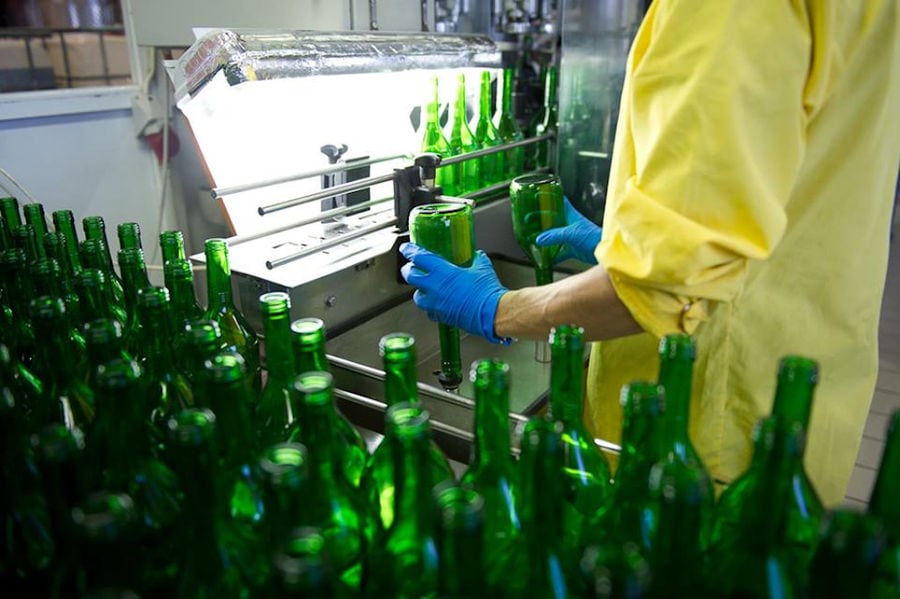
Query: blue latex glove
x=461 y=297
x=578 y=238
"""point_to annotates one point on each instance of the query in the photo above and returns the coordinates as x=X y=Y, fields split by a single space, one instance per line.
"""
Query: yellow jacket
x=750 y=205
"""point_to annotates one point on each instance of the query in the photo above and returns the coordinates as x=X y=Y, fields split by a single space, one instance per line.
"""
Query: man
x=749 y=205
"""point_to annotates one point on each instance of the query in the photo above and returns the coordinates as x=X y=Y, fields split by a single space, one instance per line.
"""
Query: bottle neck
x=400 y=382
x=309 y=357
x=793 y=400
x=567 y=384
x=676 y=378
x=506 y=106
x=542 y=494
x=184 y=303
x=317 y=432
x=484 y=100
x=230 y=402
x=279 y=355
x=412 y=496
x=643 y=438
x=156 y=341
x=492 y=444
x=218 y=279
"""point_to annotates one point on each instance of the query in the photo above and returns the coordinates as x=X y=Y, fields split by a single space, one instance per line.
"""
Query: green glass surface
x=779 y=445
x=628 y=517
x=55 y=246
x=679 y=493
x=536 y=202
x=301 y=567
x=335 y=507
x=545 y=568
x=676 y=365
x=449 y=231
x=47 y=279
x=16 y=291
x=225 y=390
x=93 y=297
x=171 y=243
x=404 y=560
x=276 y=416
x=9 y=208
x=129 y=234
x=610 y=569
x=547 y=122
x=64 y=222
x=23 y=237
x=462 y=141
x=179 y=280
x=104 y=340
x=508 y=129
x=202 y=340
x=134 y=280
x=168 y=389
x=24 y=386
x=749 y=557
x=236 y=330
x=398 y=353
x=486 y=135
x=95 y=229
x=212 y=554
x=93 y=254
x=585 y=469
x=884 y=504
x=67 y=398
x=847 y=559
x=34 y=216
x=433 y=140
x=283 y=469
x=460 y=541
x=492 y=472
x=308 y=342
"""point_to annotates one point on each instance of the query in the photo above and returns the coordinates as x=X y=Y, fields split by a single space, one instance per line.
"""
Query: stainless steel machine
x=309 y=141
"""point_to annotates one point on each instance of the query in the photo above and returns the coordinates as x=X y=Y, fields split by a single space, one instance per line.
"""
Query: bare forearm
x=587 y=299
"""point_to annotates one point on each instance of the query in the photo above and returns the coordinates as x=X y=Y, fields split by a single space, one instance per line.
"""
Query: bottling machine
x=309 y=142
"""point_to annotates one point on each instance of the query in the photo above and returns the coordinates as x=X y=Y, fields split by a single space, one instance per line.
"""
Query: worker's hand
x=578 y=238
x=462 y=297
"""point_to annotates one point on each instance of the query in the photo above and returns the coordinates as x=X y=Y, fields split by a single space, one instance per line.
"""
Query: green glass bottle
x=449 y=231
x=106 y=525
x=9 y=208
x=398 y=353
x=676 y=364
x=536 y=205
x=202 y=340
x=486 y=135
x=628 y=516
x=64 y=222
x=34 y=216
x=276 y=416
x=67 y=398
x=24 y=386
x=547 y=122
x=169 y=390
x=93 y=255
x=847 y=557
x=134 y=279
x=492 y=471
x=104 y=339
x=547 y=567
x=179 y=280
x=283 y=469
x=55 y=248
x=678 y=490
x=884 y=504
x=212 y=553
x=236 y=330
x=16 y=290
x=610 y=569
x=508 y=129
x=47 y=278
x=171 y=243
x=404 y=560
x=301 y=567
x=460 y=541
x=225 y=389
x=585 y=468
x=119 y=452
x=335 y=507
x=433 y=140
x=95 y=229
x=23 y=237
x=308 y=342
x=800 y=511
x=751 y=557
x=129 y=236
x=93 y=295
x=462 y=141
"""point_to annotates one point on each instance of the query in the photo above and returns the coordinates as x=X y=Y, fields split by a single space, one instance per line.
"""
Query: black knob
x=333 y=152
x=428 y=163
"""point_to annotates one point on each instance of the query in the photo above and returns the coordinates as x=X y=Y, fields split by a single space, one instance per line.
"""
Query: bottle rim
x=396 y=344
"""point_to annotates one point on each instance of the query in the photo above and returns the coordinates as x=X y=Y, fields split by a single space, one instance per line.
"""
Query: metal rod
x=329 y=192
x=218 y=192
x=273 y=264
x=494 y=149
x=502 y=185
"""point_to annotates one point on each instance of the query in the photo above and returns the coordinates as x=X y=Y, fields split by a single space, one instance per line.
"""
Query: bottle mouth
x=309 y=329
x=440 y=209
x=491 y=373
x=678 y=347
x=102 y=330
x=118 y=373
x=57 y=444
x=396 y=343
x=152 y=297
x=315 y=387
x=531 y=179
x=567 y=336
x=225 y=367
x=105 y=516
x=285 y=463
x=460 y=508
x=643 y=397
x=798 y=368
x=275 y=302
x=407 y=420
x=192 y=427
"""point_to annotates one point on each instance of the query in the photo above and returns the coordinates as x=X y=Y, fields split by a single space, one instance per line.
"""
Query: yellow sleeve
x=709 y=143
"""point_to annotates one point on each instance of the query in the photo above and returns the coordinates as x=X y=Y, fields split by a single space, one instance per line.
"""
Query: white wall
x=77 y=149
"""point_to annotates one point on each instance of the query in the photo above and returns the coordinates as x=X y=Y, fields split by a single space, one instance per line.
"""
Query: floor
x=887 y=389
